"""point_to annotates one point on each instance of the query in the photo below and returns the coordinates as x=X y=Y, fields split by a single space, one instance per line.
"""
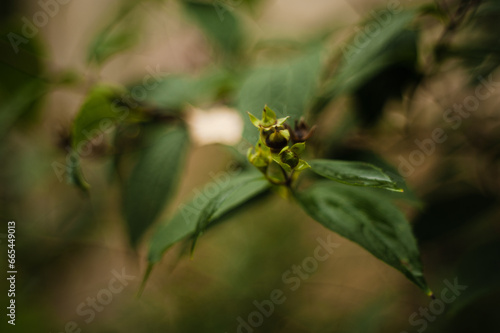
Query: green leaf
x=75 y=175
x=119 y=35
x=154 y=178
x=354 y=173
x=107 y=44
x=391 y=82
x=277 y=159
x=362 y=60
x=23 y=82
x=13 y=107
x=303 y=165
x=184 y=223
x=174 y=92
x=368 y=219
x=95 y=115
x=298 y=148
x=223 y=28
x=209 y=210
x=254 y=120
x=268 y=116
x=357 y=67
x=22 y=62
x=287 y=88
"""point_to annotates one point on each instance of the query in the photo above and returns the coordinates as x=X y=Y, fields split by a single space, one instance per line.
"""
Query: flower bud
x=289 y=157
x=276 y=139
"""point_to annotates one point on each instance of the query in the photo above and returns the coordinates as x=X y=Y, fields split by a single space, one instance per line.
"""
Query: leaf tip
x=254 y=120
x=144 y=280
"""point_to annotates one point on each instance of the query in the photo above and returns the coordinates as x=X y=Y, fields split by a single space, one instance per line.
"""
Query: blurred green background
x=215 y=60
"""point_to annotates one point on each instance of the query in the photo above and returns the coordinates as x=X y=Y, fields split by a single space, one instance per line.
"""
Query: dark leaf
x=363 y=60
x=368 y=219
x=154 y=177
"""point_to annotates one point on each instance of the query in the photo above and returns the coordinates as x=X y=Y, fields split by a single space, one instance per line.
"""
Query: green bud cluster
x=276 y=146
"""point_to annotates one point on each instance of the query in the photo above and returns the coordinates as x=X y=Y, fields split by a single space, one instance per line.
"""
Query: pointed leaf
x=354 y=173
x=255 y=121
x=368 y=219
x=281 y=121
x=303 y=165
x=268 y=116
x=298 y=148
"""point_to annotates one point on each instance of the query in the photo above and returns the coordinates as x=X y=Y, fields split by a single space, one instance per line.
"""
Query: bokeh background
x=68 y=243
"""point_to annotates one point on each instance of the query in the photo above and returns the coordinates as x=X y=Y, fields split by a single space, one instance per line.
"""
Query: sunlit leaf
x=354 y=173
x=368 y=219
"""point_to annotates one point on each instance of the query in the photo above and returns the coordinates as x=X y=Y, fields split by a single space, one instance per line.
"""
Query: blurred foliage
x=149 y=186
x=223 y=27
x=371 y=95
